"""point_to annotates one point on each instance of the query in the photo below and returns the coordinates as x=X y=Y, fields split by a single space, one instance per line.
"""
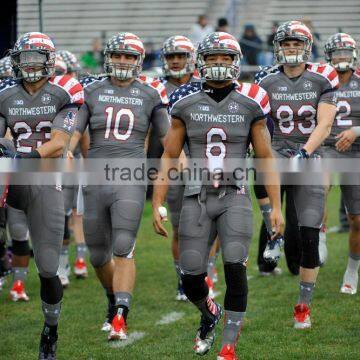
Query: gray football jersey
x=119 y=117
x=217 y=131
x=348 y=106
x=171 y=87
x=32 y=117
x=294 y=102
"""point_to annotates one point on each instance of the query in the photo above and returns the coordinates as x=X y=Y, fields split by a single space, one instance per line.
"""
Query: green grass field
x=268 y=332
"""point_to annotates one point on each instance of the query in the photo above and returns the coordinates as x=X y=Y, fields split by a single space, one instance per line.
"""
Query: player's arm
x=82 y=122
x=260 y=138
x=84 y=143
x=173 y=145
x=325 y=117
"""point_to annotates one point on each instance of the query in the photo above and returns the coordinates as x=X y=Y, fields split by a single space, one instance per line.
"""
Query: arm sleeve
x=83 y=118
x=3 y=126
x=65 y=120
x=160 y=120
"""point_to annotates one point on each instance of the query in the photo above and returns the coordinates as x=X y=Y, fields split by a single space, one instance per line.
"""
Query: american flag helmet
x=292 y=30
x=71 y=61
x=341 y=46
x=33 y=50
x=178 y=45
x=5 y=67
x=60 y=65
x=219 y=43
x=124 y=43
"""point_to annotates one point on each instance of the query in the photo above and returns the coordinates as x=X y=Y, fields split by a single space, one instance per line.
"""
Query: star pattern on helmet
x=182 y=92
x=88 y=80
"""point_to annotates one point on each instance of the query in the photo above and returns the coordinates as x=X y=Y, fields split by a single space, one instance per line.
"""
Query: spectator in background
x=222 y=25
x=316 y=39
x=266 y=58
x=152 y=57
x=270 y=37
x=251 y=45
x=200 y=30
x=93 y=60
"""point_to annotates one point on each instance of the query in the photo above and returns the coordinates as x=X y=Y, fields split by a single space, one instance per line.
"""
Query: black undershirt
x=218 y=94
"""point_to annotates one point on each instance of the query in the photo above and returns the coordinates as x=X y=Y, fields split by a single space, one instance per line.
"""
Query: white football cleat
x=272 y=252
x=350 y=282
x=106 y=326
x=276 y=272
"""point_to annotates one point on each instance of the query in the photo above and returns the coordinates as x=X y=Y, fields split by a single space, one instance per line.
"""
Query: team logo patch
x=233 y=107
x=204 y=107
x=283 y=88
x=69 y=120
x=19 y=102
x=307 y=85
x=135 y=91
x=109 y=91
x=46 y=99
x=354 y=84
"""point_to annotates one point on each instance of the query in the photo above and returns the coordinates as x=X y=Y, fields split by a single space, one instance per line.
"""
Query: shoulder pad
x=256 y=94
x=326 y=71
x=8 y=83
x=71 y=86
x=266 y=71
x=184 y=91
x=155 y=84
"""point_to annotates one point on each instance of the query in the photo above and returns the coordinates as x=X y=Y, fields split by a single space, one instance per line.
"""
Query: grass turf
x=267 y=334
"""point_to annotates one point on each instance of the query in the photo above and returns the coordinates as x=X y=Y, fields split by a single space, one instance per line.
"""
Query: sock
x=232 y=327
x=353 y=263
x=50 y=330
x=306 y=292
x=211 y=267
x=111 y=304
x=207 y=308
x=80 y=251
x=51 y=313
x=177 y=269
x=20 y=273
x=265 y=211
x=64 y=256
x=122 y=303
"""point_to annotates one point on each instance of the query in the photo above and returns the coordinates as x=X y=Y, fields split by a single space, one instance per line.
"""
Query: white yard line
x=170 y=318
x=132 y=337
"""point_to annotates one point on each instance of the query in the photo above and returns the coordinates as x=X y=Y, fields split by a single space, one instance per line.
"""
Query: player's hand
x=277 y=222
x=345 y=140
x=158 y=221
x=69 y=154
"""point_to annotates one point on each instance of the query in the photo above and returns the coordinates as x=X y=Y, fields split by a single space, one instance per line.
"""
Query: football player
x=40 y=110
x=216 y=118
x=303 y=107
x=344 y=142
x=72 y=68
x=118 y=125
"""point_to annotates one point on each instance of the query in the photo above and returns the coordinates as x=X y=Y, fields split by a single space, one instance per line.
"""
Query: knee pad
x=123 y=244
x=99 y=255
x=66 y=228
x=309 y=247
x=194 y=286
x=235 y=252
x=236 y=287
x=192 y=262
x=260 y=192
x=20 y=248
x=51 y=290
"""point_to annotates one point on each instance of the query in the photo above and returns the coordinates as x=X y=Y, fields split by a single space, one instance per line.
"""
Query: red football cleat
x=227 y=353
x=17 y=292
x=302 y=317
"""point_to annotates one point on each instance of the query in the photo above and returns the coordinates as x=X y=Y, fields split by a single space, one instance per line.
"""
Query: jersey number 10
x=113 y=125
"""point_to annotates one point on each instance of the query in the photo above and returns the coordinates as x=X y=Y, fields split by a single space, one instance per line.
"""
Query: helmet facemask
x=301 y=55
x=122 y=71
x=33 y=65
x=347 y=59
x=219 y=71
x=189 y=67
